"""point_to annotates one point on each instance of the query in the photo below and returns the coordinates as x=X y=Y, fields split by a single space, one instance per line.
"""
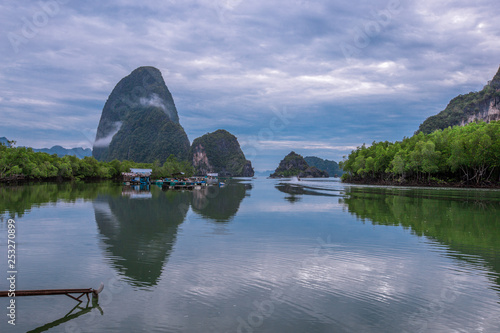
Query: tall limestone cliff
x=219 y=152
x=463 y=109
x=139 y=121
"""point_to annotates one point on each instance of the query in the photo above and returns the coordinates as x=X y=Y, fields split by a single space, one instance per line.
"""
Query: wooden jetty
x=68 y=292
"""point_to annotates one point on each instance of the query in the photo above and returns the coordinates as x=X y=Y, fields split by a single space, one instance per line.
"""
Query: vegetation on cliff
x=139 y=121
x=219 y=152
x=147 y=136
x=468 y=155
x=295 y=165
x=465 y=107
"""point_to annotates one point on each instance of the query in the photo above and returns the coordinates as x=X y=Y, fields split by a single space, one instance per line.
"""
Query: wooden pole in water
x=45 y=292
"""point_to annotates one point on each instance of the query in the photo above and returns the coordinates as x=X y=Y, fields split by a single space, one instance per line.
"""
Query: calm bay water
x=256 y=256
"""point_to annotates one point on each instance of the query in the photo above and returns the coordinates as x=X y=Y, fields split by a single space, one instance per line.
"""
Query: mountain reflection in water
x=314 y=255
x=139 y=227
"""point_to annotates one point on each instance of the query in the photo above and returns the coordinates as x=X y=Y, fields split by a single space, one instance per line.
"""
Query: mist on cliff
x=104 y=142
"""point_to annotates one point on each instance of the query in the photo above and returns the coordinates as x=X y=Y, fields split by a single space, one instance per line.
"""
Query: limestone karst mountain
x=139 y=121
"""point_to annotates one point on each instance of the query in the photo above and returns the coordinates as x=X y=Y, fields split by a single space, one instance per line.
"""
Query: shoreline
x=429 y=184
x=423 y=184
x=55 y=180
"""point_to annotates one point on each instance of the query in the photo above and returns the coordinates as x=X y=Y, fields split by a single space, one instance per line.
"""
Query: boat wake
x=318 y=186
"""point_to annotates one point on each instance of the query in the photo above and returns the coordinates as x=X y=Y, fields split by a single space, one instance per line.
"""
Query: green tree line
x=468 y=155
x=171 y=166
x=21 y=163
x=24 y=163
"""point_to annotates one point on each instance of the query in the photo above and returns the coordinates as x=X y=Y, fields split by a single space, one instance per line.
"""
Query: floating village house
x=137 y=176
x=212 y=178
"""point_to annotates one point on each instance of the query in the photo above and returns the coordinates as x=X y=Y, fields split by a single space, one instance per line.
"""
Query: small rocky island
x=219 y=152
x=295 y=165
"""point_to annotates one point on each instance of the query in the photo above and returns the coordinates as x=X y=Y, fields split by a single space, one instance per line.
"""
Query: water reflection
x=15 y=201
x=139 y=227
x=467 y=224
x=219 y=204
x=140 y=233
x=297 y=190
x=465 y=220
x=138 y=223
x=310 y=266
x=137 y=191
x=76 y=312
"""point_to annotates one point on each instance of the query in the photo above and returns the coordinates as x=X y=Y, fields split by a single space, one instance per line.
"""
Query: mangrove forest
x=461 y=155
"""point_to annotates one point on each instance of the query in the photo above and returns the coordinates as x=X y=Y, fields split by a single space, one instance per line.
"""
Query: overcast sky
x=318 y=77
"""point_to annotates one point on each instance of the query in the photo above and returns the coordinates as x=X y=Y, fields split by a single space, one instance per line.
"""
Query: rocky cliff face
x=200 y=159
x=219 y=152
x=295 y=165
x=140 y=122
x=464 y=109
x=488 y=110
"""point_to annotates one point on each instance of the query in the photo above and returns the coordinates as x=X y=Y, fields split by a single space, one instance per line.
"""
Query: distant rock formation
x=139 y=121
x=219 y=152
x=61 y=151
x=295 y=165
x=4 y=141
x=265 y=173
x=464 y=109
x=331 y=167
x=58 y=150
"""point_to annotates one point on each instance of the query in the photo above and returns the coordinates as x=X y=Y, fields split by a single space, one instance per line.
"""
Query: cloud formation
x=228 y=63
x=104 y=142
x=153 y=100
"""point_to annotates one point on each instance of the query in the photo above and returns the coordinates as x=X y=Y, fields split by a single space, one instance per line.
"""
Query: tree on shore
x=24 y=163
x=462 y=154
